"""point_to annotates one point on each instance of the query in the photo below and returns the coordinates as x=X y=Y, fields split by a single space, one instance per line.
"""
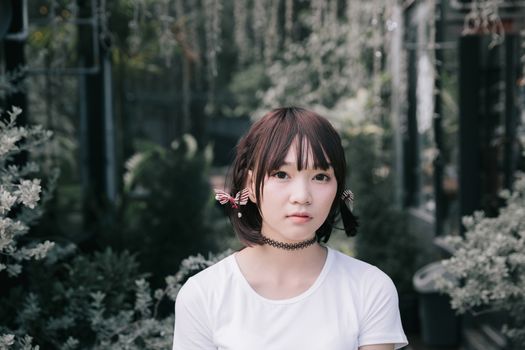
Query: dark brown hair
x=263 y=149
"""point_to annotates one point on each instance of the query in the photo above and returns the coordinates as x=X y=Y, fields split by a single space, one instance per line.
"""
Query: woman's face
x=295 y=203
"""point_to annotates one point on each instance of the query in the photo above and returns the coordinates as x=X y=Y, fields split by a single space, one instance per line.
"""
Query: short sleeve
x=192 y=326
x=381 y=321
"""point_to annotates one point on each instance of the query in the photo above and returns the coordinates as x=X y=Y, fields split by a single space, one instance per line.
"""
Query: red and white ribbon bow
x=241 y=198
x=348 y=197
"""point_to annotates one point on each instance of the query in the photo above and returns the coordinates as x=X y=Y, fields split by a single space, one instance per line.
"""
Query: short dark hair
x=263 y=150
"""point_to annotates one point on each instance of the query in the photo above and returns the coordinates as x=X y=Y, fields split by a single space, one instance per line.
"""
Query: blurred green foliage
x=55 y=301
x=101 y=299
x=384 y=239
x=98 y=301
x=246 y=87
x=167 y=211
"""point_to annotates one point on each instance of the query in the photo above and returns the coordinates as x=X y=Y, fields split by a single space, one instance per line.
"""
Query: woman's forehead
x=305 y=155
x=293 y=154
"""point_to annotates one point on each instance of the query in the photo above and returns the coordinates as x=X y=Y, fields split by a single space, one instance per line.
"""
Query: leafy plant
x=19 y=194
x=79 y=301
x=487 y=269
x=384 y=239
x=246 y=86
x=168 y=213
x=63 y=294
x=96 y=302
x=140 y=327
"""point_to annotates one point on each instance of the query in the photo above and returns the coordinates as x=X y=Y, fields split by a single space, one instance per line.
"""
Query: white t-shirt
x=350 y=304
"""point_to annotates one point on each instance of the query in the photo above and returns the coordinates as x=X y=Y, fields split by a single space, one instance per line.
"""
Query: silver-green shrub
x=21 y=199
x=487 y=268
x=86 y=310
x=20 y=193
x=139 y=327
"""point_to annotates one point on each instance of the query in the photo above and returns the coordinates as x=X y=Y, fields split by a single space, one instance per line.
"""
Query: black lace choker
x=288 y=246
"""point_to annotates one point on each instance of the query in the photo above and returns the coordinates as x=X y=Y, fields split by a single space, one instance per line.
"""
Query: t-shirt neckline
x=319 y=280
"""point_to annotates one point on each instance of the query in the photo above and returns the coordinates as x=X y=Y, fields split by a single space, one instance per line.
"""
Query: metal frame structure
x=92 y=21
x=98 y=164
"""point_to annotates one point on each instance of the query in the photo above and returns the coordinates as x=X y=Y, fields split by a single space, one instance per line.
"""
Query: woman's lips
x=299 y=218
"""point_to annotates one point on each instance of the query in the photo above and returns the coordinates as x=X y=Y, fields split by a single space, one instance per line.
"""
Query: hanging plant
x=332 y=15
x=167 y=40
x=192 y=22
x=288 y=22
x=259 y=16
x=271 y=37
x=316 y=70
x=240 y=15
x=483 y=17
x=212 y=18
x=181 y=20
x=134 y=38
x=315 y=49
x=317 y=8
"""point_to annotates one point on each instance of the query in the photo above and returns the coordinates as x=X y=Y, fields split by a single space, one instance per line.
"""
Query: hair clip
x=348 y=197
x=241 y=198
x=349 y=219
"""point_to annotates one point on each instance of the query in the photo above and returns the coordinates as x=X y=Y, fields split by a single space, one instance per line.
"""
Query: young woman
x=285 y=290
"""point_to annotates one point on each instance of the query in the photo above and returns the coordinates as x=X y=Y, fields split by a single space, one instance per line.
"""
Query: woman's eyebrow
x=293 y=164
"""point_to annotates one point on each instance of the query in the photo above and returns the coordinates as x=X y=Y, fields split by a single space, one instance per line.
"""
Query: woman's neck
x=280 y=261
x=280 y=274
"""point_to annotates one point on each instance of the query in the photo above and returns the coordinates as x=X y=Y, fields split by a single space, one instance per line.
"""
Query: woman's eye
x=322 y=177
x=280 y=175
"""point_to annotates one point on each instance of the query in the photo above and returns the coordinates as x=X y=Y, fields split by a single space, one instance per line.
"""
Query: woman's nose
x=301 y=192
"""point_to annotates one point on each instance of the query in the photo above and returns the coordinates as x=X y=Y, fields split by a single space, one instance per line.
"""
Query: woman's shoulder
x=345 y=261
x=359 y=270
x=213 y=275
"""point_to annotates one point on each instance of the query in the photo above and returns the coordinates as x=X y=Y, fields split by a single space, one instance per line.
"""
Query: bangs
x=311 y=135
x=304 y=149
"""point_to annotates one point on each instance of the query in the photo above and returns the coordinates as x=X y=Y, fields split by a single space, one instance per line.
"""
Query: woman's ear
x=250 y=184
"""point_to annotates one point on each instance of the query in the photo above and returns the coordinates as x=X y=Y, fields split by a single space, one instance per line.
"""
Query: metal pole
x=109 y=129
x=396 y=50
x=438 y=132
x=15 y=59
x=511 y=111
